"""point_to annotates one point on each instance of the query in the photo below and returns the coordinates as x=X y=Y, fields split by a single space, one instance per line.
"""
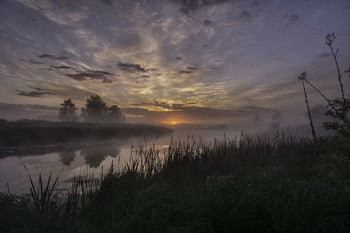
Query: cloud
x=207 y=22
x=107 y=2
x=19 y=111
x=35 y=62
x=184 y=113
x=54 y=57
x=38 y=93
x=185 y=72
x=162 y=105
x=60 y=12
x=107 y=81
x=244 y=15
x=323 y=55
x=92 y=75
x=193 y=5
x=291 y=19
x=188 y=70
x=132 y=68
x=279 y=58
x=61 y=67
x=29 y=16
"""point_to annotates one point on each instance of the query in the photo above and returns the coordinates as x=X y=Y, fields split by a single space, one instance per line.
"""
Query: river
x=77 y=159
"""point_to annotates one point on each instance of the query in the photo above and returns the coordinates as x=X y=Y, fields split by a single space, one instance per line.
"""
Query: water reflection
x=95 y=155
x=67 y=156
x=89 y=158
x=76 y=158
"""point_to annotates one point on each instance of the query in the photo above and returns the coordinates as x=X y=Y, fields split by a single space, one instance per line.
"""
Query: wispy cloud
x=60 y=12
x=61 y=67
x=290 y=19
x=193 y=5
x=38 y=93
x=132 y=68
x=279 y=58
x=92 y=75
x=323 y=55
x=185 y=72
x=54 y=57
x=27 y=111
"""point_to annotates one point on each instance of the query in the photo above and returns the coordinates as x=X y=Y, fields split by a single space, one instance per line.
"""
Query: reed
x=245 y=184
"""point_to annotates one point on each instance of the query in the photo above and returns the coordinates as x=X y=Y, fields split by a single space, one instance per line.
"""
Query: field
x=244 y=184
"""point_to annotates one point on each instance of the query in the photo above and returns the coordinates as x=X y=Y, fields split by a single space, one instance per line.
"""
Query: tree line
x=95 y=110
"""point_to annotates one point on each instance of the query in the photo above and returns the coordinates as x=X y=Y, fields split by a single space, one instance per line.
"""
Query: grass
x=247 y=184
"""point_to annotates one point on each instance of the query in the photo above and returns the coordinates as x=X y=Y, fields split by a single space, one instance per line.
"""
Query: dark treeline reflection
x=93 y=155
x=67 y=157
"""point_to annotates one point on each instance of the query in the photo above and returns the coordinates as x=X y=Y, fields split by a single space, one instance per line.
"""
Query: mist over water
x=95 y=158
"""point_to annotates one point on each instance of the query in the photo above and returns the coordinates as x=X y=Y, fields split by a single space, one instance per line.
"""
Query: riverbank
x=246 y=184
x=32 y=132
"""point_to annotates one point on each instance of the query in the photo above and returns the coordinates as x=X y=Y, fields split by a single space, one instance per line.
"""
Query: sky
x=171 y=61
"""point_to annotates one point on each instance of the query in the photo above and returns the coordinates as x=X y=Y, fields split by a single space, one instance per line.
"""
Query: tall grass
x=244 y=184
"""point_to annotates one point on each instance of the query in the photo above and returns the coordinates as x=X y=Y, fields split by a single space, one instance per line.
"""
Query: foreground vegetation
x=36 y=132
x=247 y=184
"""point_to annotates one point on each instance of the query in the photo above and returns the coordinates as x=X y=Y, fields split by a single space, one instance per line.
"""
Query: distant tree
x=318 y=113
x=114 y=114
x=277 y=117
x=67 y=111
x=257 y=119
x=95 y=109
x=276 y=121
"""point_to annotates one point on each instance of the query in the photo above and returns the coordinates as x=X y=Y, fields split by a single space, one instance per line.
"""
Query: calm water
x=80 y=159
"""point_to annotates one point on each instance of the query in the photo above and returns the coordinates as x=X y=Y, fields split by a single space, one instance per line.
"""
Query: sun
x=173 y=122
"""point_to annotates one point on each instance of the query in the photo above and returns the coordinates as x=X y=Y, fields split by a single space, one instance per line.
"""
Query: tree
x=95 y=109
x=114 y=114
x=341 y=117
x=67 y=111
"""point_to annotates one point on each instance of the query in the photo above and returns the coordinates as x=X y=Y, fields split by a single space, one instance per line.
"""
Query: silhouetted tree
x=95 y=109
x=67 y=111
x=257 y=119
x=277 y=117
x=276 y=121
x=114 y=114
